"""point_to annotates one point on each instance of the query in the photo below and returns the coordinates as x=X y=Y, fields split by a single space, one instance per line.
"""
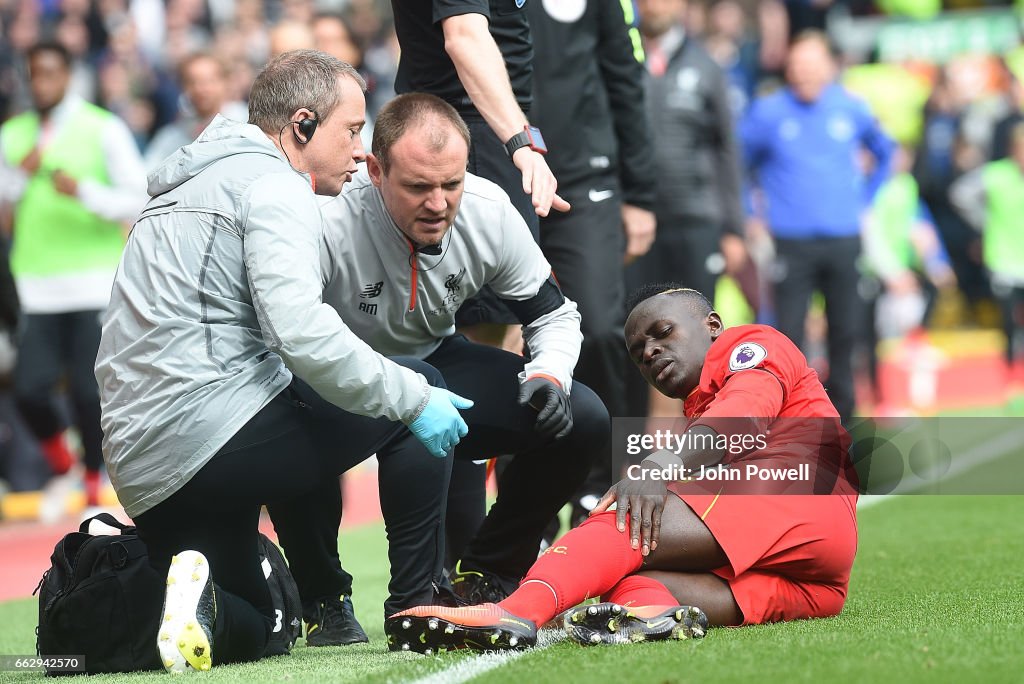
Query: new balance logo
x=371 y=290
x=368 y=308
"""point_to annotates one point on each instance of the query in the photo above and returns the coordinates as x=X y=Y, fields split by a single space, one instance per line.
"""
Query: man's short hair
x=813 y=35
x=413 y=109
x=51 y=46
x=297 y=79
x=698 y=303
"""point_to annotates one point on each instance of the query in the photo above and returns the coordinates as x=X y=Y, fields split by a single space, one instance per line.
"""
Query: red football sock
x=92 y=487
x=57 y=453
x=637 y=590
x=587 y=561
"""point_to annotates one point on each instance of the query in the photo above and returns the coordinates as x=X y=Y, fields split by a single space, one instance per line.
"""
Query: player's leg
x=587 y=561
x=666 y=588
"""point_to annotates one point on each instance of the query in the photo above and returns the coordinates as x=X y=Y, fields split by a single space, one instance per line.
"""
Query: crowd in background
x=165 y=67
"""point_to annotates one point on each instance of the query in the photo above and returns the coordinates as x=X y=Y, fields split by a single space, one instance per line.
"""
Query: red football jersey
x=756 y=372
x=765 y=351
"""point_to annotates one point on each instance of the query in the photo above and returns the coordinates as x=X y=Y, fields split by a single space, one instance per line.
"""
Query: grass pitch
x=936 y=595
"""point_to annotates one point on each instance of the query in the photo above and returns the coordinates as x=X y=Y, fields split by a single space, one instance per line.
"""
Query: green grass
x=936 y=596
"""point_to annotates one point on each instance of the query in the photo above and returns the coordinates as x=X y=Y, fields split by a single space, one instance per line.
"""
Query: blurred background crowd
x=943 y=78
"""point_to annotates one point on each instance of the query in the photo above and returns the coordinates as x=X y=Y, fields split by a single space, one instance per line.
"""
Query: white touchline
x=467 y=669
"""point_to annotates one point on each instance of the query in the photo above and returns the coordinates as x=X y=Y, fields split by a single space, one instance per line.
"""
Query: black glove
x=554 y=414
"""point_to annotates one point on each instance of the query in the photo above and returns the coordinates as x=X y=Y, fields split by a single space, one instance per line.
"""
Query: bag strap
x=106 y=519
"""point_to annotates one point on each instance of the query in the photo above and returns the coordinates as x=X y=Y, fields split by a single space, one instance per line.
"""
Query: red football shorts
x=789 y=556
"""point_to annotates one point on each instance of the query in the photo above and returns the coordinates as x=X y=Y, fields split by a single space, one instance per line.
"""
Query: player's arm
x=481 y=69
x=641 y=498
x=742 y=407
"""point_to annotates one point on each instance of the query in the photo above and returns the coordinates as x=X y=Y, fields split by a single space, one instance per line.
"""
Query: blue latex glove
x=440 y=425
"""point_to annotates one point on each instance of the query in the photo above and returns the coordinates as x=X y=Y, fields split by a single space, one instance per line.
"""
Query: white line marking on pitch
x=467 y=669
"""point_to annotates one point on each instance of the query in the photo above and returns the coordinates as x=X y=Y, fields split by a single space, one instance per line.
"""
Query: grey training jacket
x=215 y=303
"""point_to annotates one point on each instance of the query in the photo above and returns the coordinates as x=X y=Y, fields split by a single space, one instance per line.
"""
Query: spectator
x=944 y=156
x=905 y=262
x=991 y=199
x=204 y=81
x=801 y=145
x=75 y=177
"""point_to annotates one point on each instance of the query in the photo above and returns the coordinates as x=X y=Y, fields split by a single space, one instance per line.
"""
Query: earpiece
x=307 y=127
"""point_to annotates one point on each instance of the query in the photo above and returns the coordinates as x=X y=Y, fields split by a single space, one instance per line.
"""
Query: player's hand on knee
x=554 y=412
x=640 y=502
x=440 y=426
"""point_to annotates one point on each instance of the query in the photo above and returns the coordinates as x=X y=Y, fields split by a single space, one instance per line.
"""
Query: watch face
x=536 y=139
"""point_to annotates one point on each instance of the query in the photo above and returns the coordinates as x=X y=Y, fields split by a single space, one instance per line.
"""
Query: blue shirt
x=805 y=159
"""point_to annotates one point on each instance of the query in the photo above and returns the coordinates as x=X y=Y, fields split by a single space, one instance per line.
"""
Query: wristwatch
x=530 y=136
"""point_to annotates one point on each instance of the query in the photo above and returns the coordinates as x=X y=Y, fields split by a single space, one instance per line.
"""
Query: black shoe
x=335 y=624
x=610 y=623
x=473 y=587
x=436 y=629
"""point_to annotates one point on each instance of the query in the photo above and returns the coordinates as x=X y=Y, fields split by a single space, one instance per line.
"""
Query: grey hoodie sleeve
x=282 y=226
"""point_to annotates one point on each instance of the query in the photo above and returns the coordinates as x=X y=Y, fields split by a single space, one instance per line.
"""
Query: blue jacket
x=805 y=159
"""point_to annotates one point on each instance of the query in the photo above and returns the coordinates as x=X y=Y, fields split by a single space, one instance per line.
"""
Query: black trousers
x=585 y=248
x=539 y=479
x=295 y=445
x=488 y=159
x=828 y=265
x=1011 y=304
x=53 y=346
